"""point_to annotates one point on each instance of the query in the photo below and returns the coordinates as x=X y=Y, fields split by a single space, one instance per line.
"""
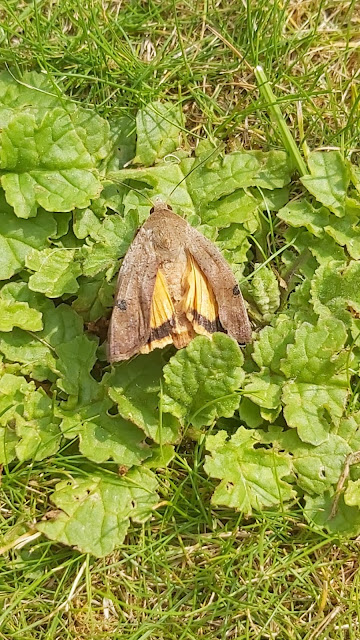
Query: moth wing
x=162 y=316
x=129 y=327
x=199 y=302
x=231 y=309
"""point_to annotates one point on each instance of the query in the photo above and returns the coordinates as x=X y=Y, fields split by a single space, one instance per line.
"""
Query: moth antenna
x=141 y=193
x=213 y=152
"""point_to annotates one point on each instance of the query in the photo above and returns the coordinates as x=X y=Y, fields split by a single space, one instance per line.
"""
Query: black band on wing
x=165 y=329
x=209 y=325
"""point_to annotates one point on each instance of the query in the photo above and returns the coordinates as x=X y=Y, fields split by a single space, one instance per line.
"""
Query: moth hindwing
x=173 y=284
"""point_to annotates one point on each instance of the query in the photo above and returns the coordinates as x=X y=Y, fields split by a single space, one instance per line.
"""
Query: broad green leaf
x=250 y=413
x=301 y=213
x=38 y=427
x=335 y=289
x=264 y=389
x=317 y=385
x=240 y=169
x=158 y=129
x=15 y=312
x=324 y=249
x=201 y=381
x=346 y=520
x=28 y=427
x=240 y=207
x=19 y=237
x=265 y=291
x=103 y=436
x=346 y=232
x=169 y=184
x=271 y=199
x=307 y=370
x=136 y=388
x=55 y=271
x=113 y=239
x=123 y=135
x=37 y=351
x=299 y=303
x=313 y=357
x=352 y=493
x=317 y=467
x=251 y=477
x=329 y=179
x=86 y=223
x=311 y=407
x=56 y=167
x=95 y=510
x=34 y=94
x=12 y=391
x=161 y=456
x=234 y=245
x=94 y=297
x=271 y=345
x=76 y=360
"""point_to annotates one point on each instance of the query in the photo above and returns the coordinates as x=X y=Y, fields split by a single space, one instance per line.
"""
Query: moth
x=173 y=284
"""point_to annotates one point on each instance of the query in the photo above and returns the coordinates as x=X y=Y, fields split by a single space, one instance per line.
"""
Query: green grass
x=191 y=572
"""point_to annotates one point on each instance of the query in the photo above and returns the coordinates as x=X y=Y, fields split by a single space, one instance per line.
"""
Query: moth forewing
x=173 y=284
x=129 y=327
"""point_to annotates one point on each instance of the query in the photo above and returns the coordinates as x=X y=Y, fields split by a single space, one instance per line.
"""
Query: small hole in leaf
x=230 y=486
x=322 y=472
x=133 y=504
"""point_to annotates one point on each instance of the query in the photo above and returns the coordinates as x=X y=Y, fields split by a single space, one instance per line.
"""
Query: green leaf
x=37 y=351
x=136 y=388
x=240 y=169
x=55 y=271
x=271 y=345
x=103 y=436
x=56 y=167
x=317 y=384
x=86 y=223
x=352 y=493
x=314 y=355
x=317 y=467
x=34 y=94
x=113 y=239
x=335 y=289
x=16 y=313
x=96 y=510
x=264 y=389
x=346 y=232
x=302 y=213
x=265 y=291
x=240 y=207
x=346 y=520
x=168 y=184
x=201 y=381
x=38 y=428
x=310 y=408
x=28 y=427
x=76 y=360
x=307 y=369
x=251 y=477
x=122 y=132
x=329 y=179
x=94 y=297
x=234 y=245
x=158 y=129
x=19 y=237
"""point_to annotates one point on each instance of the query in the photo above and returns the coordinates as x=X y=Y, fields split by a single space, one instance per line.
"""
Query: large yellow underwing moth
x=173 y=284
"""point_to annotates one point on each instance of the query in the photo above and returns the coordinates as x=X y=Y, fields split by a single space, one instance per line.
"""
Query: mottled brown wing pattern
x=232 y=313
x=129 y=326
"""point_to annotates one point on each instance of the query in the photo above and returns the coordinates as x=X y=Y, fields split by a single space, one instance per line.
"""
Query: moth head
x=160 y=204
